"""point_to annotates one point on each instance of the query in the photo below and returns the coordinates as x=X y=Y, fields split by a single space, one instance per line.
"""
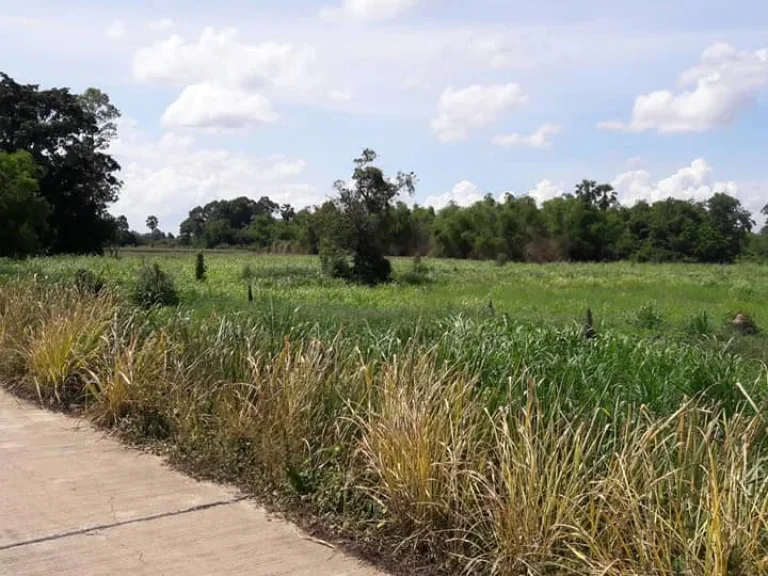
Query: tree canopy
x=23 y=212
x=67 y=136
x=358 y=223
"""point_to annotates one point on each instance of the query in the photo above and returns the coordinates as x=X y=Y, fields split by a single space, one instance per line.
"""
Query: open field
x=623 y=296
x=420 y=422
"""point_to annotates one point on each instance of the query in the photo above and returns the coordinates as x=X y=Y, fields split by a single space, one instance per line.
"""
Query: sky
x=276 y=97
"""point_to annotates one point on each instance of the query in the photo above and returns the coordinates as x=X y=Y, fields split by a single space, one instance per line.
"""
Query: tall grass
x=469 y=446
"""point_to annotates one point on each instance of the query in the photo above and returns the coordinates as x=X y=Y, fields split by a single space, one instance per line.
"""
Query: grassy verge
x=477 y=446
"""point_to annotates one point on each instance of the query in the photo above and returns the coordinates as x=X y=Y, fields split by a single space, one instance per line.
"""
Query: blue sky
x=275 y=97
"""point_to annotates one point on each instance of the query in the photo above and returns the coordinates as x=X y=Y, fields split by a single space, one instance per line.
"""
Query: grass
x=414 y=420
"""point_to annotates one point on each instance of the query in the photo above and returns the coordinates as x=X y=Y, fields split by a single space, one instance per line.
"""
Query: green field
x=623 y=296
x=456 y=419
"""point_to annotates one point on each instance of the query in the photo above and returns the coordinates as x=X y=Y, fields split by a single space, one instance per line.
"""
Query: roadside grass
x=457 y=442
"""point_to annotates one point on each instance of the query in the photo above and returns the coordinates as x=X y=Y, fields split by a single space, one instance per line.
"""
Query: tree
x=358 y=223
x=152 y=224
x=68 y=136
x=601 y=196
x=730 y=226
x=23 y=212
x=123 y=234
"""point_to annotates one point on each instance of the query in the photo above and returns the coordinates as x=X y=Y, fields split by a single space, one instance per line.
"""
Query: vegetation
x=23 y=212
x=408 y=416
x=589 y=417
x=200 y=268
x=153 y=287
x=66 y=135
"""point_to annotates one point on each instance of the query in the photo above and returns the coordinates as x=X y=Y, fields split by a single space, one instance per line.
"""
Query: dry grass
x=409 y=448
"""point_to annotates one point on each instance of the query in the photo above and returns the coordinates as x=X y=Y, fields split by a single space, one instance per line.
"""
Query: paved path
x=76 y=502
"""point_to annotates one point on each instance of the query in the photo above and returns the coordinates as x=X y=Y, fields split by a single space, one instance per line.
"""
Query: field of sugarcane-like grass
x=456 y=419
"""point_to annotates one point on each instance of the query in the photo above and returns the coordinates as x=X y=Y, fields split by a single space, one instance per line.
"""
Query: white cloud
x=340 y=95
x=116 y=30
x=693 y=182
x=493 y=50
x=465 y=193
x=170 y=175
x=212 y=106
x=460 y=111
x=541 y=138
x=220 y=57
x=546 y=190
x=725 y=83
x=368 y=10
x=610 y=125
x=160 y=25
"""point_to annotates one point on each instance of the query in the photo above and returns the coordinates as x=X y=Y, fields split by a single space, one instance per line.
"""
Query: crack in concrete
x=82 y=531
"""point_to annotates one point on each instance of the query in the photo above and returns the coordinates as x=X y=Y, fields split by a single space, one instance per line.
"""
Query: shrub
x=87 y=282
x=698 y=324
x=502 y=259
x=419 y=272
x=200 y=268
x=154 y=287
x=647 y=317
x=371 y=268
x=334 y=263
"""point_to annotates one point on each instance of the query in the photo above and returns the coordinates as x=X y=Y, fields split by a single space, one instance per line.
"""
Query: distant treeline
x=588 y=225
x=58 y=181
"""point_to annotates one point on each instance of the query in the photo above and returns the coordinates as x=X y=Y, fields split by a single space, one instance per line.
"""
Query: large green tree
x=23 y=212
x=360 y=223
x=68 y=136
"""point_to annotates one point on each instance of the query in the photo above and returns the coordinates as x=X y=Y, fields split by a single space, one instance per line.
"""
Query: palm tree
x=603 y=196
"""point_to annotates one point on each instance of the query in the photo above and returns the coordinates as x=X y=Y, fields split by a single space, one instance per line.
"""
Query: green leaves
x=23 y=212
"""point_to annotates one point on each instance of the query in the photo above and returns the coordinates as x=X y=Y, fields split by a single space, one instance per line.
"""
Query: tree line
x=57 y=182
x=586 y=225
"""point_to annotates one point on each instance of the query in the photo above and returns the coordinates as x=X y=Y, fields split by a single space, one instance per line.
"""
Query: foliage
x=480 y=446
x=200 y=268
x=23 y=212
x=154 y=287
x=87 y=282
x=68 y=136
x=358 y=222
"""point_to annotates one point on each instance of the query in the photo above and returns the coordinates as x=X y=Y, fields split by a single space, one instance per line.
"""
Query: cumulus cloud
x=340 y=95
x=726 y=82
x=545 y=190
x=693 y=182
x=225 y=79
x=116 y=30
x=465 y=193
x=219 y=56
x=212 y=106
x=368 y=10
x=541 y=138
x=462 y=110
x=160 y=25
x=169 y=175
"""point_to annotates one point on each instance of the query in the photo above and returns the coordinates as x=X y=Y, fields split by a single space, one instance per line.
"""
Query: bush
x=647 y=317
x=200 y=268
x=335 y=263
x=87 y=282
x=419 y=272
x=699 y=324
x=154 y=287
x=502 y=259
x=371 y=268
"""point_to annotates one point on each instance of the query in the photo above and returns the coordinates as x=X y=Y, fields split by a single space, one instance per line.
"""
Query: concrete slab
x=74 y=501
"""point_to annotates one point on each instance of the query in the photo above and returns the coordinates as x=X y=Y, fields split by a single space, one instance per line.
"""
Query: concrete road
x=76 y=502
